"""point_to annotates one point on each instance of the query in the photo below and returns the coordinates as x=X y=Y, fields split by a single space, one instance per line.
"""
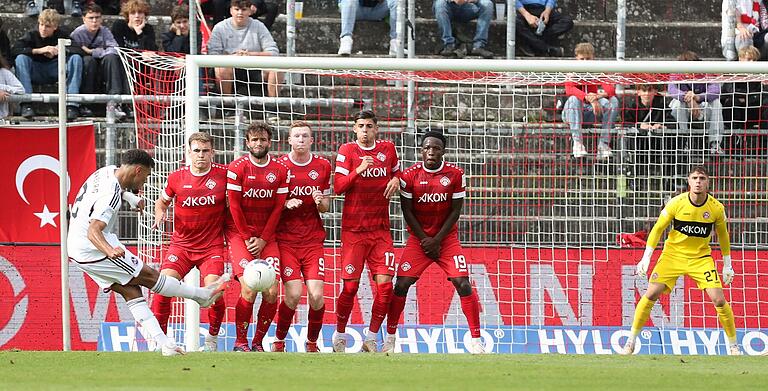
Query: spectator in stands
x=9 y=84
x=5 y=42
x=750 y=18
x=697 y=102
x=33 y=7
x=36 y=60
x=745 y=104
x=647 y=110
x=352 y=10
x=592 y=104
x=447 y=11
x=134 y=32
x=241 y=35
x=539 y=27
x=176 y=39
x=102 y=69
x=110 y=7
x=266 y=12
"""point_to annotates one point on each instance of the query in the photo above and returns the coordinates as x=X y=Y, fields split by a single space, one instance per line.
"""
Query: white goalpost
x=543 y=230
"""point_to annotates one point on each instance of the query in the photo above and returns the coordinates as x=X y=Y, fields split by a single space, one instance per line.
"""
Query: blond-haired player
x=691 y=215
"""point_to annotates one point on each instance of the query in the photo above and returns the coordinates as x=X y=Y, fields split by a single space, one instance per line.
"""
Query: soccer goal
x=552 y=238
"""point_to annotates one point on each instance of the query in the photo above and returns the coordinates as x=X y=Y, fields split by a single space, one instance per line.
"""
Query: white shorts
x=112 y=271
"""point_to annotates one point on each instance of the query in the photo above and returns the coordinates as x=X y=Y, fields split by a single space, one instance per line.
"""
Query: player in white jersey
x=95 y=248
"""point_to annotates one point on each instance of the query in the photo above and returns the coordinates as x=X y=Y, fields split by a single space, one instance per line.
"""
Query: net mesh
x=552 y=239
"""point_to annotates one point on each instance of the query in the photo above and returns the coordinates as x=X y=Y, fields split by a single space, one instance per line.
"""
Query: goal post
x=552 y=239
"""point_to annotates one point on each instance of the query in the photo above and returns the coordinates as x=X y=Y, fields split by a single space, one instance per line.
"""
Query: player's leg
x=285 y=312
x=268 y=307
x=396 y=306
x=381 y=263
x=353 y=250
x=316 y=313
x=725 y=315
x=239 y=256
x=456 y=268
x=170 y=286
x=212 y=268
x=176 y=265
x=141 y=312
x=643 y=312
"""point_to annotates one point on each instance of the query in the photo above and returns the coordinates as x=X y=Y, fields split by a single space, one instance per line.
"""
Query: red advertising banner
x=29 y=177
x=518 y=287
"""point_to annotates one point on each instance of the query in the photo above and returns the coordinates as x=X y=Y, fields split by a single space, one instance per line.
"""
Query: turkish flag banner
x=29 y=177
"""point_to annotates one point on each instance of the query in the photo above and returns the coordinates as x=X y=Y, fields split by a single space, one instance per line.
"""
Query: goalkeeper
x=692 y=215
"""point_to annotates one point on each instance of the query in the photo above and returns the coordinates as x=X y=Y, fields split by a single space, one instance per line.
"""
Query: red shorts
x=182 y=260
x=307 y=261
x=375 y=248
x=452 y=259
x=240 y=256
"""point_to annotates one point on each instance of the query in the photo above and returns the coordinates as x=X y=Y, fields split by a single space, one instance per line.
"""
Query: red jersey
x=432 y=193
x=303 y=225
x=256 y=196
x=365 y=207
x=200 y=207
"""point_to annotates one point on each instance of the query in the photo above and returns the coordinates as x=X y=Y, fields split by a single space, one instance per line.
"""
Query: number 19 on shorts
x=460 y=262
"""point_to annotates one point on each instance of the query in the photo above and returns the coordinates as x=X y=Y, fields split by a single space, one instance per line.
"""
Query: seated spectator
x=647 y=110
x=592 y=104
x=539 y=27
x=176 y=39
x=745 y=104
x=36 y=60
x=750 y=18
x=102 y=69
x=5 y=42
x=133 y=32
x=109 y=7
x=240 y=35
x=698 y=102
x=9 y=84
x=352 y=10
x=33 y=7
x=260 y=9
x=447 y=11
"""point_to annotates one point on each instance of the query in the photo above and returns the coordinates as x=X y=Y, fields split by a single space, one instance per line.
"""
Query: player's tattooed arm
x=96 y=236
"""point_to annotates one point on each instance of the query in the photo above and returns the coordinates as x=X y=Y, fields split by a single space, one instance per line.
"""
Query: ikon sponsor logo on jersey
x=374 y=172
x=693 y=228
x=303 y=190
x=258 y=193
x=433 y=197
x=199 y=201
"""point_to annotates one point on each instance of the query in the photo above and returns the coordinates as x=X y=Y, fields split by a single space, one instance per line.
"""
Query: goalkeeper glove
x=727 y=270
x=642 y=266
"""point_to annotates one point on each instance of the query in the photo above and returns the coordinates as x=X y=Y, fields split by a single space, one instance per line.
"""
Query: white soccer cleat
x=735 y=350
x=345 y=45
x=389 y=344
x=629 y=347
x=339 y=342
x=476 y=346
x=370 y=346
x=214 y=291
x=604 y=151
x=579 y=150
x=211 y=343
x=171 y=349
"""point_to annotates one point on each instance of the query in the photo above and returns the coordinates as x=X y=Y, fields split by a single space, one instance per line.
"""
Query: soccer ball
x=258 y=275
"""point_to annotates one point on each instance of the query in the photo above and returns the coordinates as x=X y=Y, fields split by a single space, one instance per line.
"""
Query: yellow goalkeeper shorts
x=702 y=270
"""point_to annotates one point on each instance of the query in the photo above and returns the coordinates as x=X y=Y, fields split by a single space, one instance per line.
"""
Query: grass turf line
x=272 y=371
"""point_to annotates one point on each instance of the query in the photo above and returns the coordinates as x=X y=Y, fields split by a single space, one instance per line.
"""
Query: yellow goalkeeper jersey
x=691 y=228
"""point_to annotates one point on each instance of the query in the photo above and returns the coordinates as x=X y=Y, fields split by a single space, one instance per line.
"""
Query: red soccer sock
x=345 y=303
x=243 y=314
x=264 y=319
x=315 y=323
x=284 y=319
x=161 y=307
x=396 y=306
x=380 y=305
x=216 y=316
x=470 y=305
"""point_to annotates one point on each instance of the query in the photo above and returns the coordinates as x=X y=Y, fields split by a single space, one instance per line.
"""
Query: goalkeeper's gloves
x=642 y=266
x=727 y=270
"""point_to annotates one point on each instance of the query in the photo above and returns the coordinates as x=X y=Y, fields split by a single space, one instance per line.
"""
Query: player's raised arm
x=235 y=198
x=346 y=174
x=665 y=218
x=274 y=217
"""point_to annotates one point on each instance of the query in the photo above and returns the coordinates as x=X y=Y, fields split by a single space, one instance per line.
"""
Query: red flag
x=29 y=177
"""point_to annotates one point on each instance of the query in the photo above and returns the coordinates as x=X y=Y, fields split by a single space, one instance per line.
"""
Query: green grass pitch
x=301 y=371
